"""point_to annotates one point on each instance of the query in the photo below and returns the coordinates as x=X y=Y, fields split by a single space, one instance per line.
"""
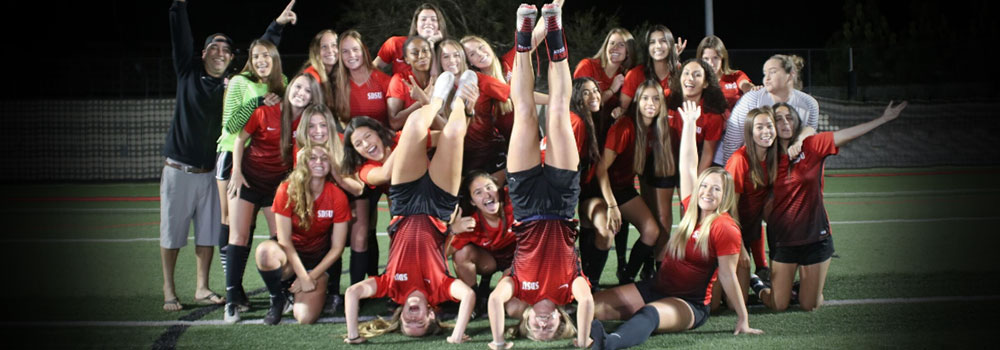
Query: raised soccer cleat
x=525 y=24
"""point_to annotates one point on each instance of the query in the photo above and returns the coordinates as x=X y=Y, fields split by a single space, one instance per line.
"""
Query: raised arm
x=843 y=136
x=687 y=166
x=273 y=32
x=180 y=36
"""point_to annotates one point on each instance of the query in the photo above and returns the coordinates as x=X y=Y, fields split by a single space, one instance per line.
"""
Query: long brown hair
x=663 y=154
x=578 y=105
x=300 y=195
x=495 y=70
x=673 y=59
x=713 y=42
x=758 y=175
x=316 y=61
x=334 y=146
x=287 y=116
x=629 y=61
x=343 y=94
x=712 y=98
x=275 y=80
x=442 y=22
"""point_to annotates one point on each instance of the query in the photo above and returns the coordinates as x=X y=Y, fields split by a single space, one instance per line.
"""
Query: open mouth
x=372 y=151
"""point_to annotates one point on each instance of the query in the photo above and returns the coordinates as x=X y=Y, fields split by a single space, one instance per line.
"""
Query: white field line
x=156 y=239
x=290 y=320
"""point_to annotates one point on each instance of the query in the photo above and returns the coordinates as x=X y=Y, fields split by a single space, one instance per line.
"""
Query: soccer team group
x=454 y=139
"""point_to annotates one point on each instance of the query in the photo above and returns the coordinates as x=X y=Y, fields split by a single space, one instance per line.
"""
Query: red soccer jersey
x=730 y=84
x=368 y=99
x=621 y=140
x=636 y=76
x=799 y=217
x=416 y=262
x=392 y=53
x=710 y=127
x=398 y=89
x=545 y=262
x=692 y=278
x=490 y=238
x=329 y=208
x=482 y=136
x=591 y=67
x=262 y=162
x=752 y=199
x=507 y=64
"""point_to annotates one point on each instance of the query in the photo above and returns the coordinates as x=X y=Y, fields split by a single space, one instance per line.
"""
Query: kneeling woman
x=311 y=214
x=677 y=300
x=423 y=199
x=483 y=242
x=546 y=271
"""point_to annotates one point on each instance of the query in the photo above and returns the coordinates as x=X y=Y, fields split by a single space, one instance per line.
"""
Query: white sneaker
x=231 y=315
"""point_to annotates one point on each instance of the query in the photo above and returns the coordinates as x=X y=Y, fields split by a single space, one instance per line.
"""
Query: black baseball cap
x=218 y=38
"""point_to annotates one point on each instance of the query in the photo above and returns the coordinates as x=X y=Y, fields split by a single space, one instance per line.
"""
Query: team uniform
x=329 y=208
x=636 y=76
x=498 y=240
x=505 y=122
x=243 y=96
x=420 y=212
x=399 y=90
x=691 y=279
x=798 y=225
x=621 y=140
x=262 y=165
x=485 y=147
x=368 y=99
x=392 y=53
x=730 y=84
x=805 y=105
x=752 y=198
x=591 y=67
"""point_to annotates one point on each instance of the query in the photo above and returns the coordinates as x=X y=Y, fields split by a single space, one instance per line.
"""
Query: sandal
x=211 y=299
x=172 y=305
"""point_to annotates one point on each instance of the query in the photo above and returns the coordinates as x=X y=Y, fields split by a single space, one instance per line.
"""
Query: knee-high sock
x=237 y=256
x=596 y=267
x=483 y=290
x=640 y=251
x=334 y=272
x=272 y=280
x=554 y=40
x=359 y=265
x=223 y=243
x=372 y=264
x=621 y=244
x=759 y=255
x=635 y=331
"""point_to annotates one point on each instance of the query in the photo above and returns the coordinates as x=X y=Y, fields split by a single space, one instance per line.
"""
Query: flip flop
x=211 y=299
x=172 y=305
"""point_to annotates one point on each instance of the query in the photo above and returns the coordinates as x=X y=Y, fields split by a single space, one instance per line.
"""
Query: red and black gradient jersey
x=545 y=262
x=691 y=278
x=392 y=53
x=369 y=98
x=329 y=208
x=752 y=199
x=621 y=140
x=490 y=238
x=636 y=76
x=416 y=261
x=710 y=127
x=262 y=165
x=798 y=216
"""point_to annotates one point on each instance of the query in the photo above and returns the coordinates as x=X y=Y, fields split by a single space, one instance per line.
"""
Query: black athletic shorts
x=649 y=294
x=812 y=253
x=261 y=200
x=648 y=176
x=422 y=196
x=223 y=165
x=625 y=194
x=544 y=190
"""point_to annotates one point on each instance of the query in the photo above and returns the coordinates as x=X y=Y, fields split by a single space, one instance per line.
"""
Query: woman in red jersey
x=361 y=88
x=753 y=168
x=545 y=273
x=677 y=300
x=322 y=64
x=423 y=199
x=257 y=171
x=429 y=23
x=608 y=66
x=311 y=217
x=662 y=62
x=734 y=82
x=797 y=222
x=411 y=89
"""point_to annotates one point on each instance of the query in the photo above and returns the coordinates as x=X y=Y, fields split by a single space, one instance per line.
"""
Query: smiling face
x=710 y=192
x=427 y=23
x=318 y=131
x=693 y=81
x=485 y=195
x=367 y=143
x=418 y=55
x=319 y=162
x=328 y=49
x=616 y=50
x=262 y=61
x=543 y=320
x=416 y=316
x=659 y=47
x=479 y=54
x=591 y=97
x=649 y=103
x=786 y=123
x=763 y=131
x=714 y=59
x=776 y=79
x=299 y=94
x=452 y=58
x=350 y=53
x=217 y=57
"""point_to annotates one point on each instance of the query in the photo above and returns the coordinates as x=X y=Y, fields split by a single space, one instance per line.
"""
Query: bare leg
x=523 y=152
x=411 y=158
x=446 y=166
x=561 y=149
x=168 y=258
x=779 y=295
x=813 y=278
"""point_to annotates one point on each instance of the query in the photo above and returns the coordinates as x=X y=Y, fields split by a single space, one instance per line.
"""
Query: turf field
x=915 y=267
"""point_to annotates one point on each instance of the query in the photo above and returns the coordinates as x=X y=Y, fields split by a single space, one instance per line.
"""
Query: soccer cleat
x=764 y=273
x=442 y=86
x=553 y=17
x=756 y=284
x=334 y=302
x=554 y=33
x=468 y=78
x=231 y=315
x=525 y=24
x=795 y=294
x=280 y=305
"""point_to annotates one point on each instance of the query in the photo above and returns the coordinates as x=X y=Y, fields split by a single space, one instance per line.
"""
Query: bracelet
x=355 y=338
x=612 y=206
x=498 y=345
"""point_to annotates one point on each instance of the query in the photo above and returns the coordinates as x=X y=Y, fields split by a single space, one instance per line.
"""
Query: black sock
x=596 y=268
x=272 y=279
x=223 y=243
x=621 y=244
x=484 y=285
x=334 y=272
x=586 y=246
x=639 y=253
x=359 y=265
x=556 y=45
x=635 y=331
x=372 y=267
x=237 y=256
